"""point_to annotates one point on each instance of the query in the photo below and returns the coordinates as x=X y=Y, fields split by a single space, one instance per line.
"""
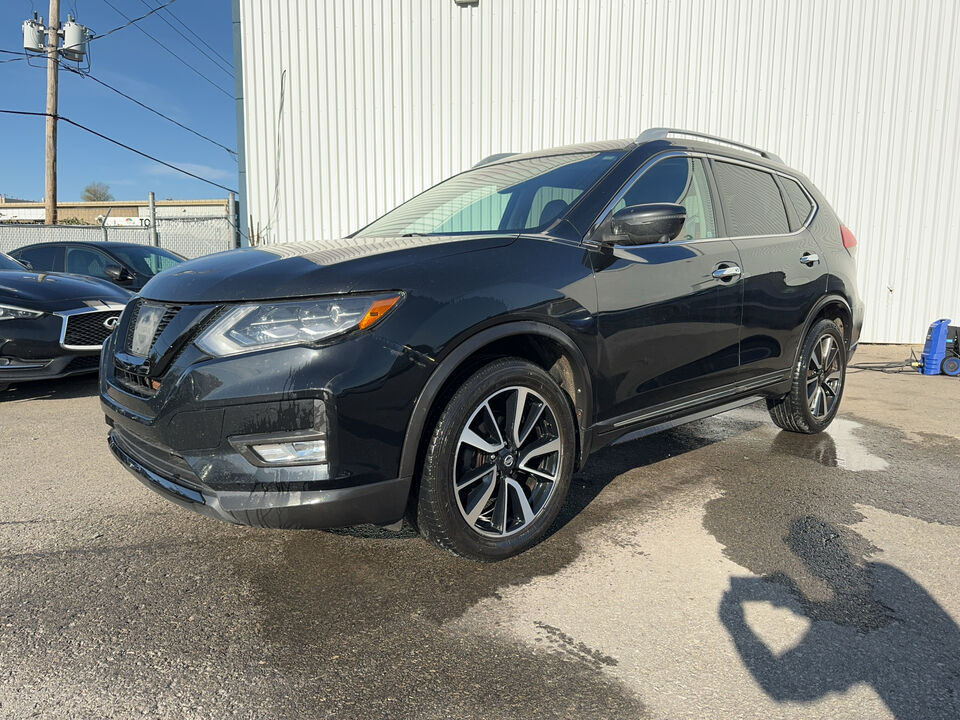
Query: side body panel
x=668 y=328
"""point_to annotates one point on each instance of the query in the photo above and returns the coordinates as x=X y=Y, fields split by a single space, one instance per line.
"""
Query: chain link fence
x=188 y=236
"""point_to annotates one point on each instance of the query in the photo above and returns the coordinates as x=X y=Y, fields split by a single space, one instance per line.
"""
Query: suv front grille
x=87 y=329
x=144 y=384
x=169 y=313
x=133 y=383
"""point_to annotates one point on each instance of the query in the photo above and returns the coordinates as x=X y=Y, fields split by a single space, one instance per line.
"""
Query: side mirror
x=116 y=273
x=645 y=224
x=26 y=264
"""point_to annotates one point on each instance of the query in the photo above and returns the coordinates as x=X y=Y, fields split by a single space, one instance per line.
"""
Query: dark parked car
x=457 y=359
x=52 y=325
x=125 y=264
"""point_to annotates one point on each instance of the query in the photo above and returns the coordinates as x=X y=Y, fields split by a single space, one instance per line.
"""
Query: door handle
x=730 y=272
x=810 y=259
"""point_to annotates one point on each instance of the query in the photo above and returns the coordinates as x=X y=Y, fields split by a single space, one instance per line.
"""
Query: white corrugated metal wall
x=352 y=106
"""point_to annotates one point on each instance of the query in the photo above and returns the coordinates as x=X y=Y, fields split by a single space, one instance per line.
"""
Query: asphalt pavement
x=720 y=570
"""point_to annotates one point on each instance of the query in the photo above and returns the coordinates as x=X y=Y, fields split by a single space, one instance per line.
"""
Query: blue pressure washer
x=941 y=351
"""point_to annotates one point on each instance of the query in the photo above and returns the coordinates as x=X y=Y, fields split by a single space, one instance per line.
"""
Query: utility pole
x=50 y=180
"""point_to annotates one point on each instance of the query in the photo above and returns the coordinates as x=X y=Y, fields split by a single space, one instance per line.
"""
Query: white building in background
x=348 y=107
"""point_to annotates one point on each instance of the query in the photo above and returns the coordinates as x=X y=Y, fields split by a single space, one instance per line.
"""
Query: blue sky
x=131 y=62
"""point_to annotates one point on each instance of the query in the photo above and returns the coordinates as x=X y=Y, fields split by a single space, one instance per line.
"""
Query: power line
x=219 y=65
x=120 y=144
x=23 y=56
x=173 y=15
x=131 y=22
x=168 y=50
x=147 y=107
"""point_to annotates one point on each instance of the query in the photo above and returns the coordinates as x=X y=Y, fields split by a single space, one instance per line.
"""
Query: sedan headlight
x=10 y=312
x=246 y=328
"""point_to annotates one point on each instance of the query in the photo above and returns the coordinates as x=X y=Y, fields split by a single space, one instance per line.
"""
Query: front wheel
x=818 y=380
x=499 y=463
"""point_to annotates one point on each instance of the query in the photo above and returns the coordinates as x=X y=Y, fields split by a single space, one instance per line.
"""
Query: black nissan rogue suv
x=458 y=359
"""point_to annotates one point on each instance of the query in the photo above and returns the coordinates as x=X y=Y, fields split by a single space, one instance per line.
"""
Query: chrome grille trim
x=106 y=309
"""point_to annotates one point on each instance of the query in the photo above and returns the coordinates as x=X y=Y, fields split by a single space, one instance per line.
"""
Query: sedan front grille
x=89 y=329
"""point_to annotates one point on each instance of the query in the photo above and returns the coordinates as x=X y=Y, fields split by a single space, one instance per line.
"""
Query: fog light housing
x=294 y=452
x=11 y=363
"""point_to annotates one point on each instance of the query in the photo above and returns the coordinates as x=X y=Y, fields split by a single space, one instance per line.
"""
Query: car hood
x=294 y=270
x=56 y=291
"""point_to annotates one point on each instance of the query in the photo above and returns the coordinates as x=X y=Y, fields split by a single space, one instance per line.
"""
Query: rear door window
x=752 y=204
x=43 y=258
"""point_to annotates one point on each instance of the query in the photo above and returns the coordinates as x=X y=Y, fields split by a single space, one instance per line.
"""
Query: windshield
x=8 y=263
x=516 y=196
x=146 y=260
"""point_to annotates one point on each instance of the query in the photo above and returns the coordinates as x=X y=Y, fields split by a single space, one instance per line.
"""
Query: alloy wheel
x=507 y=462
x=824 y=377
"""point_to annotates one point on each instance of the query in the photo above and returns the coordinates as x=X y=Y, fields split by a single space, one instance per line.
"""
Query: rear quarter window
x=799 y=199
x=752 y=204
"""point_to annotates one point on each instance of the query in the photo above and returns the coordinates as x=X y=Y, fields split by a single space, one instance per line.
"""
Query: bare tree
x=96 y=192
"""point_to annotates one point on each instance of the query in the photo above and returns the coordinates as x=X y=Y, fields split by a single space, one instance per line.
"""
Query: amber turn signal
x=377 y=310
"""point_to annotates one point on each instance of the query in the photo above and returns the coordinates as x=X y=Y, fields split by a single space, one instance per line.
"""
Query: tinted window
x=801 y=203
x=752 y=204
x=42 y=258
x=146 y=260
x=506 y=197
x=84 y=261
x=677 y=180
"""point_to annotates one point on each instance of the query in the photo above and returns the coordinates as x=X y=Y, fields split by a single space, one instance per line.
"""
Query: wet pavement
x=722 y=569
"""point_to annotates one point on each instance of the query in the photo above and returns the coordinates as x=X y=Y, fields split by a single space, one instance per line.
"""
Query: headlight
x=9 y=312
x=246 y=328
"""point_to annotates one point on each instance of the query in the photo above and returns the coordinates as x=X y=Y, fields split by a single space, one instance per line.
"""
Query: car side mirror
x=116 y=272
x=26 y=263
x=645 y=224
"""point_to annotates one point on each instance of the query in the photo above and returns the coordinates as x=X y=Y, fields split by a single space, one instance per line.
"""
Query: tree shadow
x=879 y=627
x=67 y=388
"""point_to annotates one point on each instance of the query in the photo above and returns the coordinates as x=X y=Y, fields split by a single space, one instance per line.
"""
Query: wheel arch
x=830 y=307
x=538 y=342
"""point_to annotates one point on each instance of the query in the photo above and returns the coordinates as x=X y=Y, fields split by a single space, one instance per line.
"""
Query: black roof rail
x=662 y=133
x=493 y=158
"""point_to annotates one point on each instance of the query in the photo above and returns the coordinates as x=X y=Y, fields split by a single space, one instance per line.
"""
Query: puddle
x=851 y=454
x=839 y=446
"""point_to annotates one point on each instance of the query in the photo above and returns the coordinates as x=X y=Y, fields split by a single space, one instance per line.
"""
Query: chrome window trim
x=601 y=218
x=64 y=315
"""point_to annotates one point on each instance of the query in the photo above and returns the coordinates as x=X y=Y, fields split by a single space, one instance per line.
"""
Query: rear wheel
x=499 y=463
x=818 y=380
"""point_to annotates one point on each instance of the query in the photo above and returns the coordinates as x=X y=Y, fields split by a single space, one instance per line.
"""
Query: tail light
x=848 y=240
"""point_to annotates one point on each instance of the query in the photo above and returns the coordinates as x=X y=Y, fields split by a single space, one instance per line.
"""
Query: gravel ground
x=719 y=570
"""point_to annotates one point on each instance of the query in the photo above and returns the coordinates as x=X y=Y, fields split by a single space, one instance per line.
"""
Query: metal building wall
x=352 y=106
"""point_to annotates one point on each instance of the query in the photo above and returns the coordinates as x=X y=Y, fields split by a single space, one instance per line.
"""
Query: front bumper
x=20 y=369
x=55 y=345
x=378 y=503
x=184 y=437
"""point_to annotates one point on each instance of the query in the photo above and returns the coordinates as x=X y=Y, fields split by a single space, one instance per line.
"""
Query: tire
x=481 y=459
x=815 y=392
x=950 y=366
